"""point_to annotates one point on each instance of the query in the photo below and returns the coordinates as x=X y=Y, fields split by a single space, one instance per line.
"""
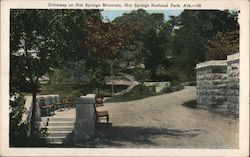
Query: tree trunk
x=98 y=90
x=84 y=90
x=33 y=116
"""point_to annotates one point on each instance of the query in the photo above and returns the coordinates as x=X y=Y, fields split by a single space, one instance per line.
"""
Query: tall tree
x=151 y=45
x=222 y=45
x=194 y=29
x=104 y=40
x=32 y=50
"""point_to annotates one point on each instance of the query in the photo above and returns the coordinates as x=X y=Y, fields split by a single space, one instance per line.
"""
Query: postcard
x=124 y=78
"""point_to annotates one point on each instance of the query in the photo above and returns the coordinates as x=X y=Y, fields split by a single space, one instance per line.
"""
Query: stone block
x=85 y=118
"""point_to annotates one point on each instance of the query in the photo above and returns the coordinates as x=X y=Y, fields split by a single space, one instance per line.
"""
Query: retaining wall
x=233 y=84
x=218 y=85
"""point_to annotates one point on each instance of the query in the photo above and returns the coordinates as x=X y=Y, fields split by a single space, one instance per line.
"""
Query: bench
x=100 y=114
x=46 y=109
x=99 y=101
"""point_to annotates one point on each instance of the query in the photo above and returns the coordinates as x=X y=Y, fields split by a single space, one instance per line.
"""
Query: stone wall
x=211 y=84
x=218 y=85
x=233 y=84
x=84 y=128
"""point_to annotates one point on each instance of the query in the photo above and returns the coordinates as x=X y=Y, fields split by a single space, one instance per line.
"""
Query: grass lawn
x=130 y=96
x=71 y=90
x=140 y=93
x=66 y=90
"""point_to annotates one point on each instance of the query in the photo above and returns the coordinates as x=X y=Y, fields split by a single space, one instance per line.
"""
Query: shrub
x=166 y=89
x=141 y=75
x=17 y=131
x=174 y=86
x=142 y=89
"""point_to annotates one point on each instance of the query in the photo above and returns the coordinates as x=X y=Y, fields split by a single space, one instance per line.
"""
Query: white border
x=243 y=150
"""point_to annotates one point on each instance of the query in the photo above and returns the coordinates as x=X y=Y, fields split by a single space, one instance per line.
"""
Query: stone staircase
x=57 y=130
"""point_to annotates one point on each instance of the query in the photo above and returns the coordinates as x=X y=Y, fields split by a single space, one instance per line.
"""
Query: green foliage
x=141 y=74
x=174 y=86
x=77 y=71
x=137 y=92
x=18 y=130
x=142 y=89
x=194 y=28
x=222 y=45
x=161 y=71
x=33 y=50
x=151 y=41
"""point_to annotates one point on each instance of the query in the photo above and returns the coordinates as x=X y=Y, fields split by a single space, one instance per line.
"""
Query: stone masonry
x=218 y=85
x=233 y=84
x=85 y=119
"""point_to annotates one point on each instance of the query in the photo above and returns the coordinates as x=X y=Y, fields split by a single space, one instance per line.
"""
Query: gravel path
x=162 y=122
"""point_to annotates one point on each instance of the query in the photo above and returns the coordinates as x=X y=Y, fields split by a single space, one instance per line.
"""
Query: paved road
x=161 y=121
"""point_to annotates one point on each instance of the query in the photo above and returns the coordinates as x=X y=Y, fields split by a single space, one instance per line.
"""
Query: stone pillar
x=233 y=83
x=85 y=119
x=211 y=77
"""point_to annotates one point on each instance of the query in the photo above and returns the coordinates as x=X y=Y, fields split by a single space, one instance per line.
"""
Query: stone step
x=44 y=119
x=55 y=139
x=62 y=119
x=60 y=128
x=41 y=124
x=58 y=133
x=61 y=123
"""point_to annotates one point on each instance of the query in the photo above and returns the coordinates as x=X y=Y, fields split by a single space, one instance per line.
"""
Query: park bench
x=60 y=104
x=46 y=109
x=68 y=103
x=100 y=114
x=64 y=103
x=99 y=101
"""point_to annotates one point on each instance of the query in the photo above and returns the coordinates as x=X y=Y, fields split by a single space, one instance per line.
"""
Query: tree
x=72 y=37
x=194 y=28
x=141 y=75
x=222 y=45
x=32 y=50
x=161 y=71
x=78 y=74
x=151 y=45
x=104 y=40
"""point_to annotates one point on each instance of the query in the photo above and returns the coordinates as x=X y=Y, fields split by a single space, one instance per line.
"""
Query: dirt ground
x=162 y=122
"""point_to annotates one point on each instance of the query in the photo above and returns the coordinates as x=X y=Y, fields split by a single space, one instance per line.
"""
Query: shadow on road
x=119 y=136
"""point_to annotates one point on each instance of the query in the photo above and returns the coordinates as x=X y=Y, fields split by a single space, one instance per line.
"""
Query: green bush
x=166 y=89
x=17 y=131
x=174 y=86
x=142 y=89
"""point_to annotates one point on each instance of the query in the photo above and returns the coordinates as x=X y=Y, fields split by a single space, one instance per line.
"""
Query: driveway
x=162 y=122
